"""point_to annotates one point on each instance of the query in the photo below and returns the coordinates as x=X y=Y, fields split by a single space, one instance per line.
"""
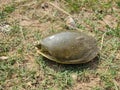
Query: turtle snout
x=37 y=44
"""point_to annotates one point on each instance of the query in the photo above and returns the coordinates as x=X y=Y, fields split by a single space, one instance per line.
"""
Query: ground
x=22 y=22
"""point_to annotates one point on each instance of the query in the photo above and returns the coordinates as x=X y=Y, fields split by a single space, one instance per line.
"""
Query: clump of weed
x=118 y=3
x=6 y=11
x=74 y=6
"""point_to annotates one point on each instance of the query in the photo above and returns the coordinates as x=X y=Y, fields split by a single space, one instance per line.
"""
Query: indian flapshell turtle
x=68 y=47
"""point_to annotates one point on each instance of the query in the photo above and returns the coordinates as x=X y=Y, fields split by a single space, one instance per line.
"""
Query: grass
x=6 y=11
x=26 y=70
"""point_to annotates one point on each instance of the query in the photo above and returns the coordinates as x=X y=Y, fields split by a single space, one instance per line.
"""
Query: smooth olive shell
x=69 y=47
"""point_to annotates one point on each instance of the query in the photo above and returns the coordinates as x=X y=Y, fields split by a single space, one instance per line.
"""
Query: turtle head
x=40 y=45
x=37 y=44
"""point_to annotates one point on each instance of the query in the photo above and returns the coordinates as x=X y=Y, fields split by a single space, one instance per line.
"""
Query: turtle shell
x=69 y=47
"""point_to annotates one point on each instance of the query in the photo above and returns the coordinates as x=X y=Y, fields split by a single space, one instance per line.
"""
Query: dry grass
x=30 y=20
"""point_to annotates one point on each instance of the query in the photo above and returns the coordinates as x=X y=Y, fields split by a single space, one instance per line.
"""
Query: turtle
x=68 y=47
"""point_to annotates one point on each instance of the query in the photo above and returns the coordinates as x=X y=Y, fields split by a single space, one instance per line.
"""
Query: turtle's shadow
x=92 y=65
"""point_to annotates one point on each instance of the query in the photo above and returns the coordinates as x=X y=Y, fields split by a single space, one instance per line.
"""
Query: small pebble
x=74 y=76
x=5 y=28
x=44 y=6
x=70 y=23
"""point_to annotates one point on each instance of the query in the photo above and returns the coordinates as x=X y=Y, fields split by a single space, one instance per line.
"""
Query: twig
x=102 y=40
x=21 y=30
x=59 y=8
x=3 y=58
x=22 y=34
x=23 y=38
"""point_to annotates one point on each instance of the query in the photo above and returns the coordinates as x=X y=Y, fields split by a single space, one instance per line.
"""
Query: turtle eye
x=37 y=44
